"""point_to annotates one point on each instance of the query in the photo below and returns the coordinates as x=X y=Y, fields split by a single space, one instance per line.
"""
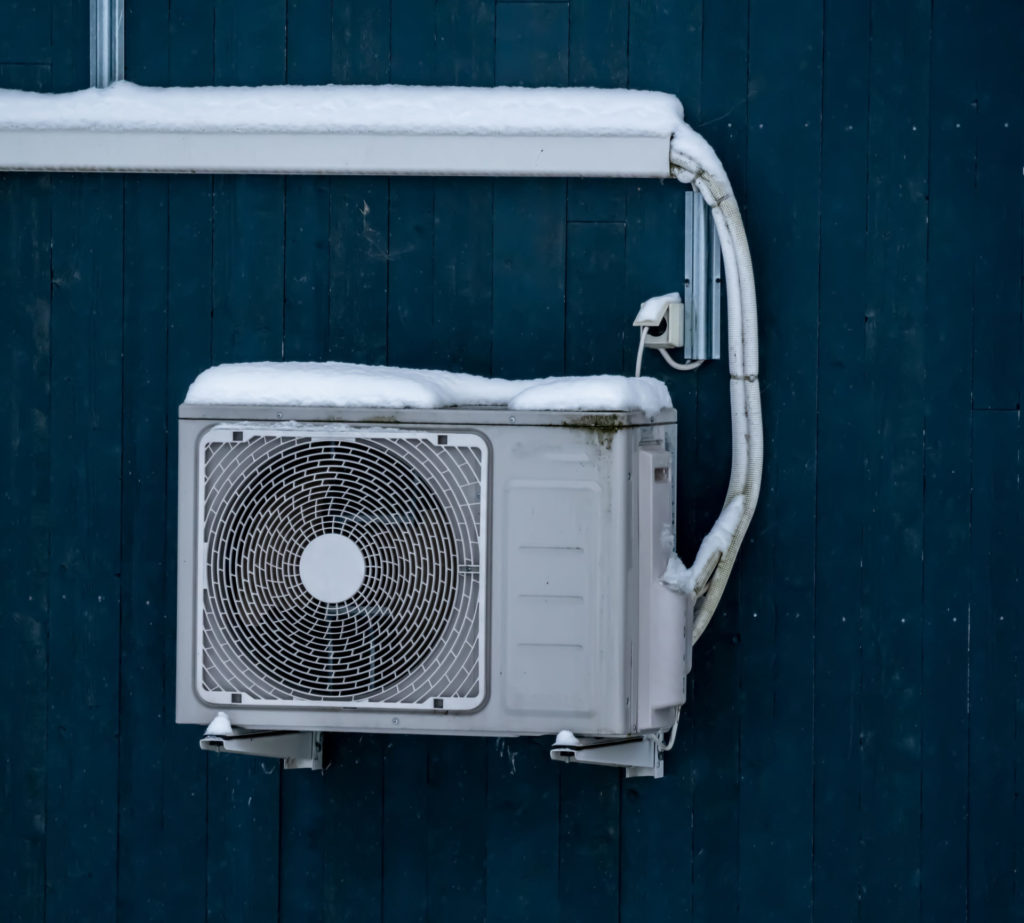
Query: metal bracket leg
x=639 y=756
x=297 y=749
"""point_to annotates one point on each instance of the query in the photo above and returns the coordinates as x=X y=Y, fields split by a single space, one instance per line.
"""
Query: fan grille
x=409 y=628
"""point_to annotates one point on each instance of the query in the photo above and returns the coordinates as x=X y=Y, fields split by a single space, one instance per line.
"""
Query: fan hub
x=332 y=568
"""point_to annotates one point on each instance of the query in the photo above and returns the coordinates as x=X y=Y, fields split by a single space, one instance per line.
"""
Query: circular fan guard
x=407 y=633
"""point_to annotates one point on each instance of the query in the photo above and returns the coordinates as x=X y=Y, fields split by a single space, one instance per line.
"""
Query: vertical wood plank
x=26 y=35
x=1017 y=904
x=25 y=544
x=147 y=34
x=404 y=830
x=589 y=842
x=522 y=830
x=360 y=41
x=69 y=41
x=412 y=335
x=998 y=229
x=843 y=433
x=456 y=839
x=598 y=43
x=183 y=783
x=248 y=257
x=531 y=44
x=895 y=299
x=144 y=622
x=190 y=43
x=309 y=46
x=596 y=315
x=777 y=612
x=351 y=801
x=304 y=831
x=995 y=604
x=464 y=34
x=463 y=274
x=414 y=42
x=529 y=278
x=307 y=268
x=143 y=848
x=358 y=270
x=85 y=470
x=947 y=491
x=249 y=42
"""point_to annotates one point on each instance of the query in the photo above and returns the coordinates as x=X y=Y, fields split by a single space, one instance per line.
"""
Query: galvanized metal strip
x=106 y=42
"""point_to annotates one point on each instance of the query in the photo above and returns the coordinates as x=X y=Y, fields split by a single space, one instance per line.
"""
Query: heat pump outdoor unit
x=453 y=571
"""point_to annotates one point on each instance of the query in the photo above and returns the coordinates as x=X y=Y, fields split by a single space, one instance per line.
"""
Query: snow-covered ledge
x=456 y=131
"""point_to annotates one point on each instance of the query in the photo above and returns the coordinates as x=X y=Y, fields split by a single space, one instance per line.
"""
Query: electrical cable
x=680 y=366
x=640 y=351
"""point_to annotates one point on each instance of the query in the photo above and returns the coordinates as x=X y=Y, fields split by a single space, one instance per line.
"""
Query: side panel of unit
x=563 y=498
x=665 y=624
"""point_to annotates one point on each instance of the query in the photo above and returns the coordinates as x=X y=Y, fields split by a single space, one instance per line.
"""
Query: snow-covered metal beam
x=455 y=131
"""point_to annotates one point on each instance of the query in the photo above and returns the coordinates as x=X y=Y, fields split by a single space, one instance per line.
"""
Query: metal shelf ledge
x=436 y=131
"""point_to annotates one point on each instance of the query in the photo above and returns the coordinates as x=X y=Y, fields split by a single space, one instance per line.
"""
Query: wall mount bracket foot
x=296 y=749
x=641 y=757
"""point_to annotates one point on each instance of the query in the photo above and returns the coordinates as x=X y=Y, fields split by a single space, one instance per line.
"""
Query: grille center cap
x=332 y=568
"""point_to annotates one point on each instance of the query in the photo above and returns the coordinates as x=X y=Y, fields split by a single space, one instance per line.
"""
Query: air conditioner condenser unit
x=453 y=571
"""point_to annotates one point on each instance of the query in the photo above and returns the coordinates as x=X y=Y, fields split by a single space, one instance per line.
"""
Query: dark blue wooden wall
x=854 y=744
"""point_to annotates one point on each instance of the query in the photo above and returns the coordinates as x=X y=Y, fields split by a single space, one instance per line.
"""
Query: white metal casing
x=580 y=634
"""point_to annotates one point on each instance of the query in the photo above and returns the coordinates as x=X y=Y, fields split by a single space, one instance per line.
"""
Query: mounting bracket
x=641 y=757
x=702 y=288
x=297 y=749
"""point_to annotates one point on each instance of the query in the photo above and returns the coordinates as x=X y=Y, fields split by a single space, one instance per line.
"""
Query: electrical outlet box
x=669 y=333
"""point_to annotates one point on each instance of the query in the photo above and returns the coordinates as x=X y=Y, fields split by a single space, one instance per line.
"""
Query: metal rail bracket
x=297 y=749
x=641 y=757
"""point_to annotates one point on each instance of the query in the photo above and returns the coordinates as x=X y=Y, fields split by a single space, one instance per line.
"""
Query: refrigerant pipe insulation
x=694 y=162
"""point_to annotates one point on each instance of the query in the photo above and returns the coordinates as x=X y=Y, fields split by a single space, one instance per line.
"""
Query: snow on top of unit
x=349 y=109
x=344 y=384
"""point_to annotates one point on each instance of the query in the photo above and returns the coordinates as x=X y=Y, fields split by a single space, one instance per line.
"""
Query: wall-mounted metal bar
x=702 y=295
x=106 y=42
x=421 y=131
x=74 y=150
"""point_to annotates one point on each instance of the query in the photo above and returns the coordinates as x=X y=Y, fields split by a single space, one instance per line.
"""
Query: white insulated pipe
x=694 y=162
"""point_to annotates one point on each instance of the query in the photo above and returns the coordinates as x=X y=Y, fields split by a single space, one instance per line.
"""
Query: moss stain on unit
x=605 y=426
